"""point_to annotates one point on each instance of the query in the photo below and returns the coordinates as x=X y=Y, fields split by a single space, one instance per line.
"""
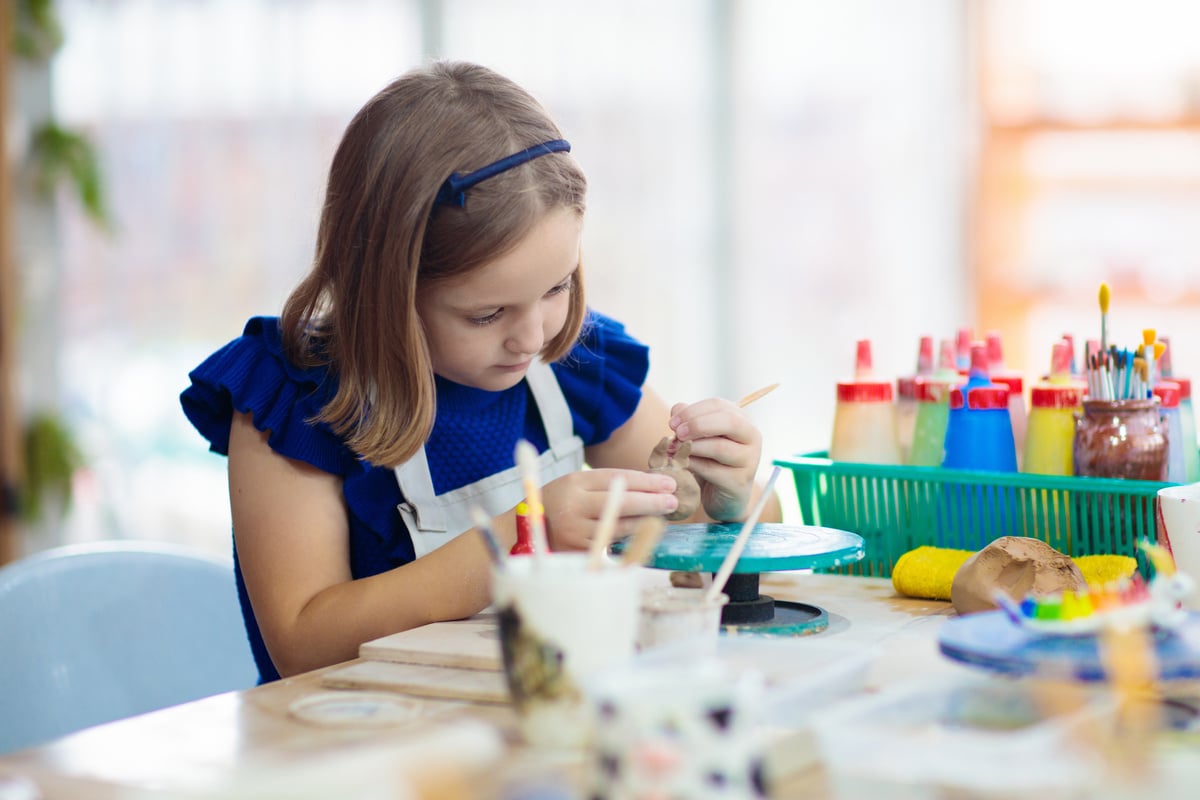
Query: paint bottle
x=1055 y=401
x=1015 y=383
x=864 y=422
x=906 y=398
x=933 y=410
x=524 y=544
x=979 y=430
x=1050 y=435
x=1168 y=395
x=1187 y=415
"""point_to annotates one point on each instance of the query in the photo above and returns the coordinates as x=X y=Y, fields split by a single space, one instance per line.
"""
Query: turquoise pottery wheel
x=772 y=547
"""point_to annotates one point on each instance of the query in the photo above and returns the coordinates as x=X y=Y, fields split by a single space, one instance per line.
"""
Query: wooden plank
x=472 y=643
x=421 y=680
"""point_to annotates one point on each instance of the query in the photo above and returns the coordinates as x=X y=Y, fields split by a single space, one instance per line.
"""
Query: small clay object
x=1016 y=565
x=687 y=490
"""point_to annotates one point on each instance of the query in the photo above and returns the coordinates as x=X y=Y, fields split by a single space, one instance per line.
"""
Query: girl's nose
x=527 y=337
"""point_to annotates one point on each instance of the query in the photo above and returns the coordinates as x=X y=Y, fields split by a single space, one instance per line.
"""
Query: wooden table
x=202 y=749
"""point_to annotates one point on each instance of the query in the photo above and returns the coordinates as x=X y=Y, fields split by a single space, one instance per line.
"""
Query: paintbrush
x=645 y=538
x=739 y=544
x=1148 y=337
x=484 y=525
x=607 y=524
x=1104 y=298
x=526 y=457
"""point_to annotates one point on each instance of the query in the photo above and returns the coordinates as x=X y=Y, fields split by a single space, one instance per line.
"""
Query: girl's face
x=485 y=328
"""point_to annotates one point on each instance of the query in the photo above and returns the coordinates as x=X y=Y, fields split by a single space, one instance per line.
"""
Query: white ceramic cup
x=672 y=614
x=1179 y=531
x=561 y=624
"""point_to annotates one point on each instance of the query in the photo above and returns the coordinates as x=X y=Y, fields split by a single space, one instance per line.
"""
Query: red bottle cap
x=946 y=355
x=931 y=391
x=862 y=359
x=1185 y=388
x=925 y=356
x=995 y=352
x=1015 y=383
x=962 y=347
x=983 y=398
x=1168 y=393
x=864 y=392
x=1060 y=359
x=979 y=358
x=906 y=388
x=1055 y=396
x=1163 y=364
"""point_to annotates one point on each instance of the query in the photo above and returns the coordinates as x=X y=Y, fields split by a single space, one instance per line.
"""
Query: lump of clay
x=1018 y=566
x=687 y=490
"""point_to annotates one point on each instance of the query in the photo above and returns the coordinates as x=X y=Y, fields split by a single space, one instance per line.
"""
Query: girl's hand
x=726 y=448
x=575 y=501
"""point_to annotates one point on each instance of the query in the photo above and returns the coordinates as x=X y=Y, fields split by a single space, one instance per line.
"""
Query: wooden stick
x=607 y=524
x=645 y=538
x=739 y=544
x=755 y=395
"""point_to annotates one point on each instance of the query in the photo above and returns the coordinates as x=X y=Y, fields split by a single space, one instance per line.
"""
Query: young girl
x=443 y=321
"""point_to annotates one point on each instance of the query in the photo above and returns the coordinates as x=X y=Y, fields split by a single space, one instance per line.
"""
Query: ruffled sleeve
x=251 y=374
x=602 y=377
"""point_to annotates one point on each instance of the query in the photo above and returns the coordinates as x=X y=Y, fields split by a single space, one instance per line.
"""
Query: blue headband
x=454 y=190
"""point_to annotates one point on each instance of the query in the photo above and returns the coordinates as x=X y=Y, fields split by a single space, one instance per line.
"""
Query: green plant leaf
x=60 y=154
x=37 y=34
x=51 y=460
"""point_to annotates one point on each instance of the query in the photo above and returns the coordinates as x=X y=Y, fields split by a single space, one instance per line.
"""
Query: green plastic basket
x=896 y=509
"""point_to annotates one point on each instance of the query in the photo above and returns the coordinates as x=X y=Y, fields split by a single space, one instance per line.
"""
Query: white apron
x=432 y=520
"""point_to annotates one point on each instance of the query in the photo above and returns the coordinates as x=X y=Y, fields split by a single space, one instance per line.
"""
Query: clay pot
x=1121 y=439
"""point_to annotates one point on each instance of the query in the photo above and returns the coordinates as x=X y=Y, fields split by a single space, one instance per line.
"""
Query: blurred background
x=770 y=181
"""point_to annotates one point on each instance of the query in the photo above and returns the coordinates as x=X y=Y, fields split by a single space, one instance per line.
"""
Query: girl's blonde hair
x=381 y=238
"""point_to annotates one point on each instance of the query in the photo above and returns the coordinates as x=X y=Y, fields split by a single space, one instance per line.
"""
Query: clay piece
x=687 y=490
x=1016 y=565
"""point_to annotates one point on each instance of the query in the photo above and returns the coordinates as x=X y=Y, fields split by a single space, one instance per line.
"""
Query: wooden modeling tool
x=1104 y=298
x=483 y=524
x=607 y=524
x=757 y=394
x=739 y=544
x=526 y=457
x=643 y=541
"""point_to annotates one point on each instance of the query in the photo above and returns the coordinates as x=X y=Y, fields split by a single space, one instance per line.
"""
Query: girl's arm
x=292 y=537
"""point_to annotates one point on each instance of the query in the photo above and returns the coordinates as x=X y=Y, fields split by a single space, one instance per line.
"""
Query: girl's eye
x=562 y=287
x=486 y=320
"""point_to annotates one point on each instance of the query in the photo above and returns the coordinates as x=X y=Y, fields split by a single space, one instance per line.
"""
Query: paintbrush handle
x=756 y=395
x=643 y=541
x=607 y=524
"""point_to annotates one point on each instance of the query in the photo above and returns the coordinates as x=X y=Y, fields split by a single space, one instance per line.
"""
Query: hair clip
x=454 y=191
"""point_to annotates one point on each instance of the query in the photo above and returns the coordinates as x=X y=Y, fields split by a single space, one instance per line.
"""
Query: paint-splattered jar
x=1121 y=439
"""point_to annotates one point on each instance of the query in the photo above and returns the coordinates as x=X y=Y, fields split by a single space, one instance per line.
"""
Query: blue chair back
x=97 y=632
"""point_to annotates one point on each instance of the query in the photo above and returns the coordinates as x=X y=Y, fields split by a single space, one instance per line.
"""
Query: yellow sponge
x=929 y=571
x=1099 y=570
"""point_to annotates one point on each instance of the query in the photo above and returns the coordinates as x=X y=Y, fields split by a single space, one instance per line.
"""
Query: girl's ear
x=658 y=456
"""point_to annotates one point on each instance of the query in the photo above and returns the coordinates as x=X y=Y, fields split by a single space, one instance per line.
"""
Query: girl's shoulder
x=251 y=374
x=602 y=377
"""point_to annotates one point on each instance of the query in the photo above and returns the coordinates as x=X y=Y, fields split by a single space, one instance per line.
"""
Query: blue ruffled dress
x=473 y=436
